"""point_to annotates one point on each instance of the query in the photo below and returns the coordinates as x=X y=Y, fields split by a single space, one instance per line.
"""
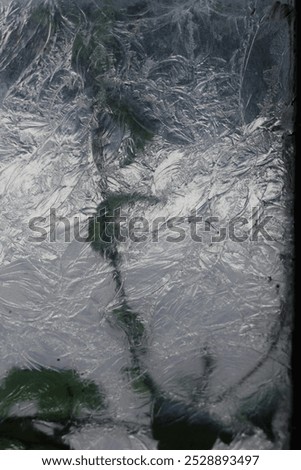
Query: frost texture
x=164 y=109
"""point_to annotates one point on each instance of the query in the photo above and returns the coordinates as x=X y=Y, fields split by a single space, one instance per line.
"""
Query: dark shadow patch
x=260 y=410
x=177 y=426
x=21 y=433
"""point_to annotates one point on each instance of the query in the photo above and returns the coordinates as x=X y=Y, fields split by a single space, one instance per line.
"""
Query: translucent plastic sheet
x=146 y=187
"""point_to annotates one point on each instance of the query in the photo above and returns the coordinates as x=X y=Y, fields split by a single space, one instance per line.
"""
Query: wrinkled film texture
x=180 y=110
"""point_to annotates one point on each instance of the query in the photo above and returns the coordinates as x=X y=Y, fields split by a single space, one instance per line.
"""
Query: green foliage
x=81 y=50
x=58 y=395
x=126 y=118
x=102 y=231
x=138 y=381
x=94 y=53
x=41 y=17
x=90 y=47
x=131 y=325
x=11 y=444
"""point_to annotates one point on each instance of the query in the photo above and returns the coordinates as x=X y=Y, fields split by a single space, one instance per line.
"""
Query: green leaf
x=58 y=395
x=101 y=228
